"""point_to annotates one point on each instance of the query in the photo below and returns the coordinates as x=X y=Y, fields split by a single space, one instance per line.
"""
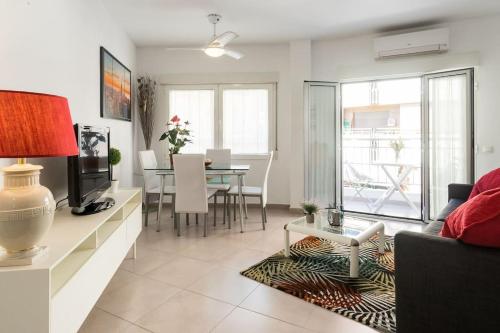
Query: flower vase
x=171 y=156
x=310 y=218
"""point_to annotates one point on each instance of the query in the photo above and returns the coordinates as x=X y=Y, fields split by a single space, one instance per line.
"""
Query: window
x=197 y=106
x=236 y=116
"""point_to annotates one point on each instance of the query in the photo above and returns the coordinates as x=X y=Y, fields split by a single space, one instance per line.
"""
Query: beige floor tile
x=186 y=312
x=277 y=304
x=135 y=329
x=120 y=279
x=135 y=299
x=324 y=321
x=100 y=321
x=244 y=321
x=171 y=243
x=225 y=285
x=208 y=251
x=182 y=271
x=146 y=261
x=226 y=252
x=243 y=259
x=271 y=242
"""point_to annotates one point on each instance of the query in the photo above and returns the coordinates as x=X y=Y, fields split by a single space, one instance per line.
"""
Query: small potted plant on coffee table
x=310 y=209
x=114 y=158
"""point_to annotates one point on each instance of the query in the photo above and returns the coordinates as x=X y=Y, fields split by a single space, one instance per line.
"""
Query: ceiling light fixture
x=214 y=52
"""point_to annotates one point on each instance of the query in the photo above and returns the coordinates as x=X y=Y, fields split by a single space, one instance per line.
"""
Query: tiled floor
x=192 y=284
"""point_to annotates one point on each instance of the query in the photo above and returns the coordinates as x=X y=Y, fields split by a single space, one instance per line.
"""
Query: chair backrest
x=147 y=159
x=266 y=176
x=219 y=156
x=190 y=183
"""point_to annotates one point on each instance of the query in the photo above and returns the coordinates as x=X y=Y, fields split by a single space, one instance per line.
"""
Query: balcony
x=382 y=171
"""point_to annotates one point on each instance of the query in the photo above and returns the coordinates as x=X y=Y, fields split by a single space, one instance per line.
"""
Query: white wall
x=471 y=42
x=300 y=71
x=261 y=63
x=53 y=47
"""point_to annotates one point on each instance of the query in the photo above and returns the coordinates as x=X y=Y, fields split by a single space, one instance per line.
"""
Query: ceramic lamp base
x=21 y=258
x=26 y=214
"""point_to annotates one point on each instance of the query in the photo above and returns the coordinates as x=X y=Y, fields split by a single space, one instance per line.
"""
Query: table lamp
x=31 y=125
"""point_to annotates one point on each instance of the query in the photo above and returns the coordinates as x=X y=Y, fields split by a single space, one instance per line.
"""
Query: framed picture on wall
x=116 y=88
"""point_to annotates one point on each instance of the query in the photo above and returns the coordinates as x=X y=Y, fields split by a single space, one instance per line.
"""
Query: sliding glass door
x=320 y=113
x=381 y=147
x=449 y=135
x=391 y=146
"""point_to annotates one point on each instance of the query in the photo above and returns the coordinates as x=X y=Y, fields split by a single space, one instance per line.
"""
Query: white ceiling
x=183 y=22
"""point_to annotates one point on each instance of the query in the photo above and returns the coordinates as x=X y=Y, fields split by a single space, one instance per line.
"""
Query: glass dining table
x=213 y=169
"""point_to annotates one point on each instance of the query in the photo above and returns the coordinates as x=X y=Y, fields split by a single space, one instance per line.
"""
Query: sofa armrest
x=459 y=191
x=443 y=285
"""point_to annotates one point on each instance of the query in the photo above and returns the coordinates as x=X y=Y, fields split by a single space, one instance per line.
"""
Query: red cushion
x=477 y=221
x=487 y=182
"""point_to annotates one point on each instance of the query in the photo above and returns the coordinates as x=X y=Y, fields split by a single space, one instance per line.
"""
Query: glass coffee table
x=353 y=232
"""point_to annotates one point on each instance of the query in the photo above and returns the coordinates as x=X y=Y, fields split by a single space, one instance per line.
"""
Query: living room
x=378 y=122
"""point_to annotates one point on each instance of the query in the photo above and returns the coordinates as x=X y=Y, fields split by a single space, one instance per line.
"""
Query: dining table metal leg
x=244 y=199
x=262 y=213
x=240 y=199
x=224 y=210
x=215 y=210
x=245 y=207
x=160 y=202
x=178 y=225
x=147 y=210
x=234 y=208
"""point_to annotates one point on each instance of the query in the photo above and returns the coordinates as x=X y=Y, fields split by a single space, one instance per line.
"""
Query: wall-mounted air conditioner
x=420 y=42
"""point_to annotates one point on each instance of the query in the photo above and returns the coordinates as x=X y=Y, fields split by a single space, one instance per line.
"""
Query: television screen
x=93 y=150
x=88 y=172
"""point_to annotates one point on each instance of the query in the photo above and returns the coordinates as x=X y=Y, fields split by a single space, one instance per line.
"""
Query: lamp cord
x=57 y=203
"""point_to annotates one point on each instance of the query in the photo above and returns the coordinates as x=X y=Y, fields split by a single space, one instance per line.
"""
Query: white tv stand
x=57 y=292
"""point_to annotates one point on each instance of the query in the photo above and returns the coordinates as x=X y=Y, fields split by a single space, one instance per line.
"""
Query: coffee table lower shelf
x=354 y=241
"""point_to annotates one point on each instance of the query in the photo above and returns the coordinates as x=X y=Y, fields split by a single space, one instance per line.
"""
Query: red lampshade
x=35 y=125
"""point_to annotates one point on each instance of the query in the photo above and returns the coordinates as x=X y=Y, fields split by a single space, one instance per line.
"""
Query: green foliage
x=177 y=135
x=397 y=145
x=115 y=156
x=90 y=141
x=310 y=208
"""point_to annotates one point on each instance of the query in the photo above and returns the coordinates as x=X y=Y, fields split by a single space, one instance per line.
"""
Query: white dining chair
x=221 y=183
x=252 y=191
x=192 y=193
x=147 y=159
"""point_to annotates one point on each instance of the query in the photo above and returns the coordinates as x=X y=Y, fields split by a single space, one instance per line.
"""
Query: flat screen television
x=89 y=171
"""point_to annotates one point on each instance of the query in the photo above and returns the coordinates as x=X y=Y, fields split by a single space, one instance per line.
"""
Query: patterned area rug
x=318 y=272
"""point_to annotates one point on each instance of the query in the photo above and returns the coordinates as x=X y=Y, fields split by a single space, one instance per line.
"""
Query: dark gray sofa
x=444 y=285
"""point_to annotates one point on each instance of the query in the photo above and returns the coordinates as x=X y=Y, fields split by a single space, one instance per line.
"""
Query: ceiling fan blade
x=233 y=54
x=184 y=49
x=223 y=39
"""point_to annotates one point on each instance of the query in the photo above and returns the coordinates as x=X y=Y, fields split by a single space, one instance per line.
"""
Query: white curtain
x=321 y=145
x=246 y=120
x=197 y=107
x=447 y=137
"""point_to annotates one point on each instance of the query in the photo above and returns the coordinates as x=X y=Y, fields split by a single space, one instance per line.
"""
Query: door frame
x=307 y=109
x=469 y=72
x=339 y=142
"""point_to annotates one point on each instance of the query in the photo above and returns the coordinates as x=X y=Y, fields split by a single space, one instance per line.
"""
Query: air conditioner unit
x=413 y=43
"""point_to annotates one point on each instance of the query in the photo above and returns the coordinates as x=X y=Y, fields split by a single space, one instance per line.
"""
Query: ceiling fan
x=217 y=46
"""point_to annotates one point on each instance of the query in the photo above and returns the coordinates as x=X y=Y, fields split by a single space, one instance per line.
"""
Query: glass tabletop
x=211 y=167
x=352 y=226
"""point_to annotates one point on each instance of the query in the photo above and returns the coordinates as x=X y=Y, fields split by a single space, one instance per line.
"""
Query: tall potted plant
x=146 y=102
x=115 y=157
x=177 y=134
